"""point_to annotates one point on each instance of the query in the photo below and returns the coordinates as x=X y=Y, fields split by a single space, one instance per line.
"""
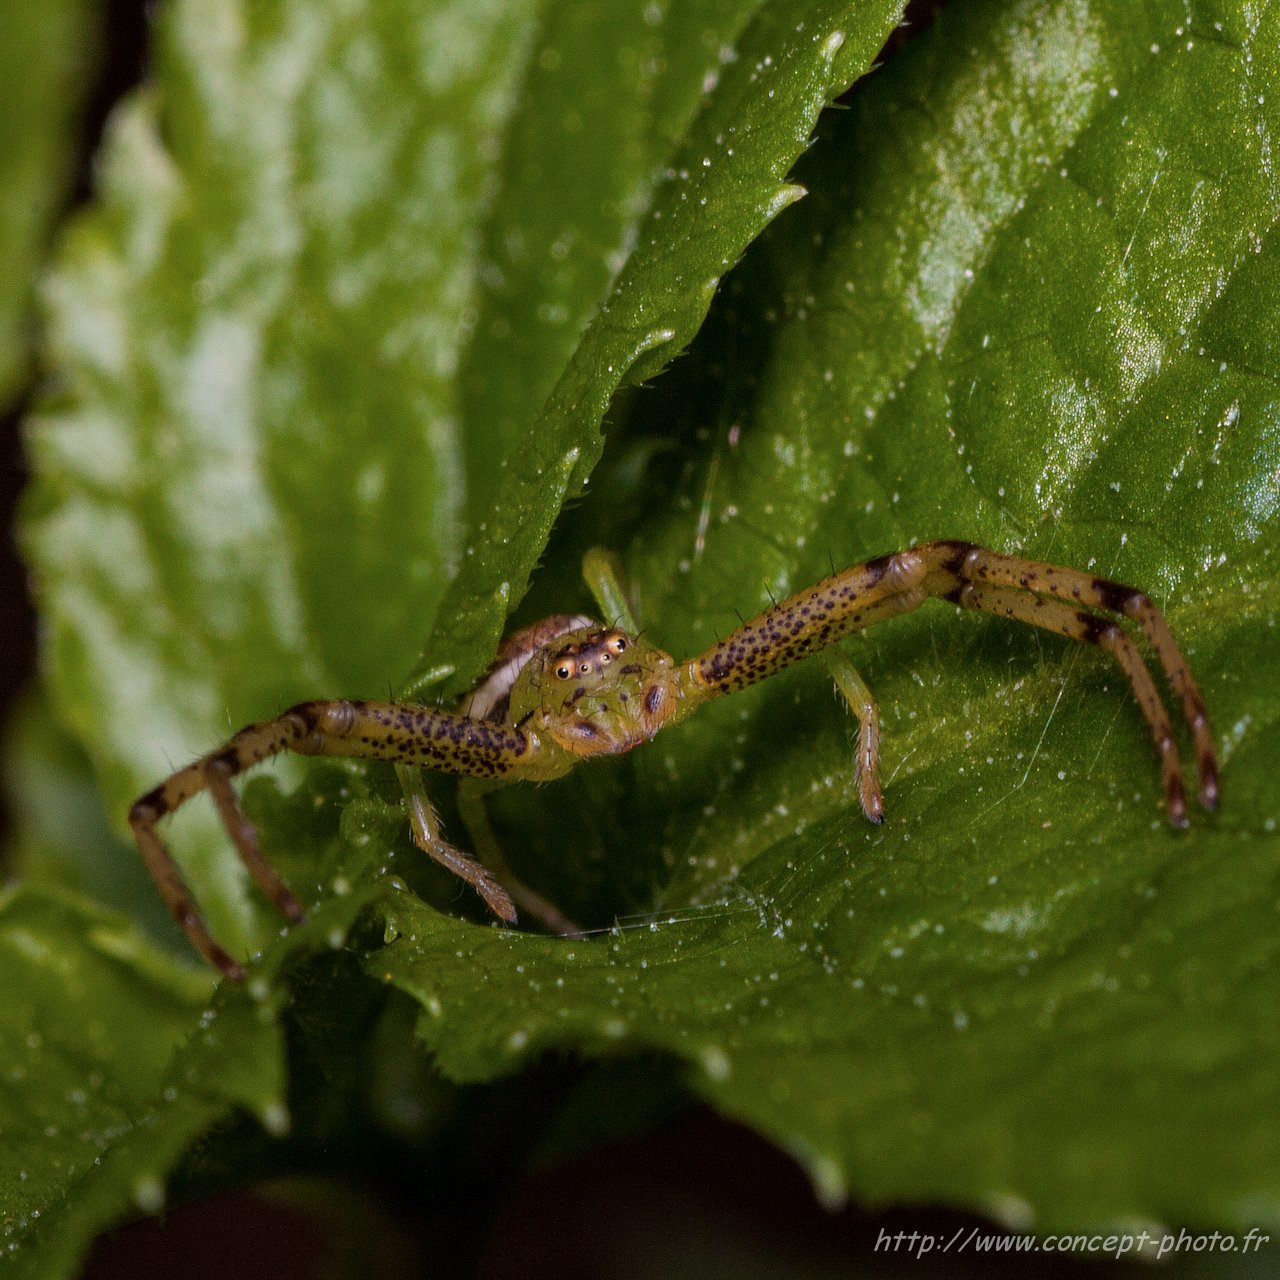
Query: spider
x=568 y=688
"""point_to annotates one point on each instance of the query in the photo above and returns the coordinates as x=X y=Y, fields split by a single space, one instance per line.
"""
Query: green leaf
x=1014 y=309
x=726 y=182
x=91 y=1018
x=1028 y=301
x=46 y=65
x=125 y=1073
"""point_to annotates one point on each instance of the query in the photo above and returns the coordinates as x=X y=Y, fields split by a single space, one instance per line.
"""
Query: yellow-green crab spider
x=568 y=688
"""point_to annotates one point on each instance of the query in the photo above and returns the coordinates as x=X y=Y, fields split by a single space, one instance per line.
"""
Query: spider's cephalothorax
x=595 y=691
x=576 y=688
x=566 y=688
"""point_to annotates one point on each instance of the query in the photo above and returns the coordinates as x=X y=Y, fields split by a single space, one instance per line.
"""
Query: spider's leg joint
x=902 y=570
x=1118 y=598
x=149 y=809
x=1100 y=631
x=322 y=719
x=960 y=559
x=225 y=763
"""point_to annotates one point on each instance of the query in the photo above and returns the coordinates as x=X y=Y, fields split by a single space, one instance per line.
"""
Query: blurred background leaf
x=46 y=66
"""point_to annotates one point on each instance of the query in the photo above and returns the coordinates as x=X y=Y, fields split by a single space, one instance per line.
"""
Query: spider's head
x=603 y=691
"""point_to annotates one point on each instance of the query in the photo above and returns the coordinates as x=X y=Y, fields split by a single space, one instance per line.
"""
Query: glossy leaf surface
x=1028 y=301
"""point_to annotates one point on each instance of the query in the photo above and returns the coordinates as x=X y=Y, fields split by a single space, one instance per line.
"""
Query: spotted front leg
x=1044 y=595
x=399 y=732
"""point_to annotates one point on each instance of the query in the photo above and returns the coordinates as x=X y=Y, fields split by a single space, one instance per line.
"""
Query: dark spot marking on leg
x=1094 y=630
x=1115 y=595
x=877 y=568
x=149 y=808
x=225 y=761
x=957 y=553
x=305 y=713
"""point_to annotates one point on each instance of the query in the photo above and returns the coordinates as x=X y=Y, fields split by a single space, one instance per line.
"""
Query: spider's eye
x=563 y=671
x=585 y=668
x=620 y=644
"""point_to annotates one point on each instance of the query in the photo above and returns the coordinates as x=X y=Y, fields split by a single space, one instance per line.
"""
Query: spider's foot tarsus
x=1209 y=793
x=1207 y=767
x=193 y=925
x=866 y=760
x=870 y=798
x=293 y=909
x=230 y=969
x=497 y=899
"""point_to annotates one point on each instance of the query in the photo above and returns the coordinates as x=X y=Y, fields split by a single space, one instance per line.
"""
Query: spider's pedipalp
x=858 y=697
